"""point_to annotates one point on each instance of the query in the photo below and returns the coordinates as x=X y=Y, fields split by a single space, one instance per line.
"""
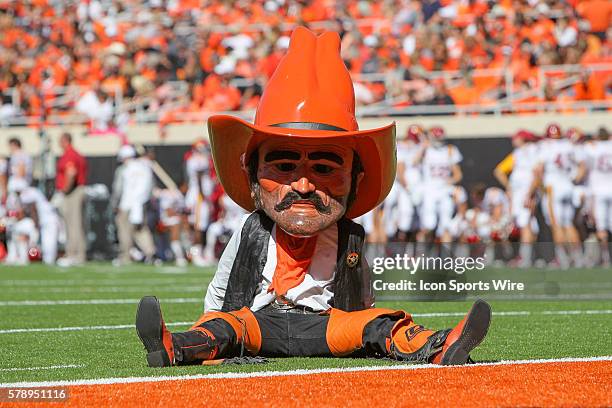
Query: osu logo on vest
x=352 y=259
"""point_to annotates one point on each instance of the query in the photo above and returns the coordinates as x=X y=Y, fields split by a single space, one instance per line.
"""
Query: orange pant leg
x=244 y=324
x=345 y=331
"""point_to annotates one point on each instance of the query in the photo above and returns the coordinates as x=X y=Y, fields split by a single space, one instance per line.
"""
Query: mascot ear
x=358 y=181
x=243 y=165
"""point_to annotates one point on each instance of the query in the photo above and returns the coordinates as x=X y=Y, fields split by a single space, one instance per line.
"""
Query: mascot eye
x=286 y=166
x=322 y=168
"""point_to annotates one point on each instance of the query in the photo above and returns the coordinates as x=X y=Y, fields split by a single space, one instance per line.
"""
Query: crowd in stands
x=225 y=51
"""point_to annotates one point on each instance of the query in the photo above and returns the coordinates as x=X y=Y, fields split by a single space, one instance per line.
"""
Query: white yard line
x=56 y=367
x=110 y=289
x=92 y=302
x=453 y=314
x=83 y=328
x=574 y=312
x=264 y=374
x=441 y=314
x=521 y=313
x=99 y=282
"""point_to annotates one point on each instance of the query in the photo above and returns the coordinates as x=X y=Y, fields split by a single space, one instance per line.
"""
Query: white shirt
x=100 y=113
x=566 y=36
x=232 y=213
x=26 y=226
x=17 y=160
x=459 y=195
x=44 y=209
x=493 y=197
x=137 y=185
x=412 y=172
x=438 y=163
x=196 y=164
x=240 y=45
x=599 y=155
x=316 y=291
x=525 y=159
x=171 y=200
x=560 y=158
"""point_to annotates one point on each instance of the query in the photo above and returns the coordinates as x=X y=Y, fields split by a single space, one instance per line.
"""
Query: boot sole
x=476 y=327
x=149 y=329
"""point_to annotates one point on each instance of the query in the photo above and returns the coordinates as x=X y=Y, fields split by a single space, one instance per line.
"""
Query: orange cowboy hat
x=309 y=96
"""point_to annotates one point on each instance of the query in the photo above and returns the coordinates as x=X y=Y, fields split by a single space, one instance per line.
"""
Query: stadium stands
x=111 y=63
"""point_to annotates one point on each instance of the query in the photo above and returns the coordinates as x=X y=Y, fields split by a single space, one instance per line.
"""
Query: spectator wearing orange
x=589 y=88
x=599 y=15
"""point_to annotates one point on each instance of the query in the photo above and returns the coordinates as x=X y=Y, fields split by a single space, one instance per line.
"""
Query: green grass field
x=71 y=305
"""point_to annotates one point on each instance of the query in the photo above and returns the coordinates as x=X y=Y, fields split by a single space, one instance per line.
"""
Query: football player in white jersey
x=582 y=196
x=229 y=220
x=171 y=209
x=3 y=179
x=496 y=204
x=198 y=198
x=22 y=231
x=20 y=163
x=497 y=207
x=43 y=214
x=408 y=183
x=440 y=165
x=599 y=155
x=515 y=174
x=559 y=168
x=459 y=227
x=136 y=183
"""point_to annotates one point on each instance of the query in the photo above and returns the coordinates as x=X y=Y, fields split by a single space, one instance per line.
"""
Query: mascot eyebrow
x=326 y=156
x=291 y=155
x=282 y=155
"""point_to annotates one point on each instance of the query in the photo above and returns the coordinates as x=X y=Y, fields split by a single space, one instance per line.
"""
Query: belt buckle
x=281 y=303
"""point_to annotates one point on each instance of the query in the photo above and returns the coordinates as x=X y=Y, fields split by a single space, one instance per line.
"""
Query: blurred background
x=96 y=94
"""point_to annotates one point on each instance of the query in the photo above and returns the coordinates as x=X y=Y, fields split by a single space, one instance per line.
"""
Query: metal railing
x=513 y=101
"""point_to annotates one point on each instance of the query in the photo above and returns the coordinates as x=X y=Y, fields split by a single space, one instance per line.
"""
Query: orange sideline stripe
x=581 y=384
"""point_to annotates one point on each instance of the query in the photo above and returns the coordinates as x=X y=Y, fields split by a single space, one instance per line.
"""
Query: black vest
x=247 y=270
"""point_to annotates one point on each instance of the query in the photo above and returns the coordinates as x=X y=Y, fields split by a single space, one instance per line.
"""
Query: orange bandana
x=293 y=257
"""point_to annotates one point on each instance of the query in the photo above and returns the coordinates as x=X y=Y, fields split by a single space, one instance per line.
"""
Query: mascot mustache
x=292 y=196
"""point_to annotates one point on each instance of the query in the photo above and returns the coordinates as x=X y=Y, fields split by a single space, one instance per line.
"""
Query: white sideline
x=43 y=368
x=92 y=302
x=263 y=374
x=441 y=314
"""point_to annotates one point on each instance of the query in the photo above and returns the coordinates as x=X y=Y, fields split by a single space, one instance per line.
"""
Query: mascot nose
x=303 y=186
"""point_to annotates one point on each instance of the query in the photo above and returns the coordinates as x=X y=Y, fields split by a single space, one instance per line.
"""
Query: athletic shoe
x=66 y=262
